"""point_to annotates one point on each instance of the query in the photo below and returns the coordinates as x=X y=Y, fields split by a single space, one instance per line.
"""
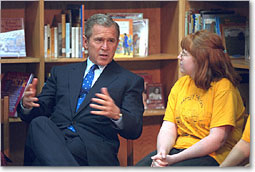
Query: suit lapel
x=75 y=77
x=109 y=74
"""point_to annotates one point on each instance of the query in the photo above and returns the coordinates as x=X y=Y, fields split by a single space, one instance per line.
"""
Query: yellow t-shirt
x=246 y=133
x=195 y=111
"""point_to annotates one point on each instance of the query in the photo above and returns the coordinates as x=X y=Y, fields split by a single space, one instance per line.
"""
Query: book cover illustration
x=13 y=85
x=155 y=98
x=140 y=37
x=125 y=46
x=12 y=44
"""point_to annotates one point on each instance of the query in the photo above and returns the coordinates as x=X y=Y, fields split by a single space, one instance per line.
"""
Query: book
x=147 y=80
x=13 y=85
x=12 y=44
x=55 y=42
x=77 y=41
x=63 y=34
x=125 y=46
x=52 y=44
x=68 y=44
x=155 y=98
x=12 y=38
x=211 y=19
x=45 y=39
x=234 y=37
x=234 y=34
x=140 y=37
x=60 y=40
x=233 y=21
x=187 y=20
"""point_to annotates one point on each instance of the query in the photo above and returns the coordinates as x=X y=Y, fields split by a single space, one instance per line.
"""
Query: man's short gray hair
x=100 y=19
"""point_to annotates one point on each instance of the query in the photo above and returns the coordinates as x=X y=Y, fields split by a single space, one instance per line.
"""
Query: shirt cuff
x=25 y=111
x=118 y=123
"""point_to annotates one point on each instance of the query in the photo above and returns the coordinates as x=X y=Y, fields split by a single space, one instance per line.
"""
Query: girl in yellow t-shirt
x=204 y=115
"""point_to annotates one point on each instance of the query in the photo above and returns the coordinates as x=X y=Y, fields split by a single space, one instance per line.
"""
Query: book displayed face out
x=12 y=38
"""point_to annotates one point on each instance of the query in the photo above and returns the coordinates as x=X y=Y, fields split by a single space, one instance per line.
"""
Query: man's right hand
x=29 y=99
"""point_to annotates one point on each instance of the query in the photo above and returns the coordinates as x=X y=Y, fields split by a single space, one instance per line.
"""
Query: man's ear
x=85 y=42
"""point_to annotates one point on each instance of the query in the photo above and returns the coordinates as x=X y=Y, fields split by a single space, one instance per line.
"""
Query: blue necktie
x=86 y=85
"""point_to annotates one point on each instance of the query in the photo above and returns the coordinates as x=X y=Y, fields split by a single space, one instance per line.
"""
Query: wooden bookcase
x=166 y=29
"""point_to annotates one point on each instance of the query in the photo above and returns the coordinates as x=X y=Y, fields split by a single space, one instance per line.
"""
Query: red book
x=13 y=85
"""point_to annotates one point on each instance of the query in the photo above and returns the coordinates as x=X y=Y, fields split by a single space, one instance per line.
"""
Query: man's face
x=102 y=44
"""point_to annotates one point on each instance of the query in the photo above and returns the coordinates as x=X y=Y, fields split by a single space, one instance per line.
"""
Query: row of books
x=233 y=28
x=13 y=84
x=64 y=39
x=64 y=36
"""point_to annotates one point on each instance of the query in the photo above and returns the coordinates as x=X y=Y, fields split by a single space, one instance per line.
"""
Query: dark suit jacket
x=100 y=135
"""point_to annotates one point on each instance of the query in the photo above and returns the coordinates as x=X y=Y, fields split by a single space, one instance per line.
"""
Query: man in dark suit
x=63 y=134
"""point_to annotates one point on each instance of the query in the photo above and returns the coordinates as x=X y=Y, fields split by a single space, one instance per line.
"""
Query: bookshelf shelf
x=63 y=60
x=150 y=58
x=154 y=112
x=16 y=119
x=19 y=60
x=240 y=63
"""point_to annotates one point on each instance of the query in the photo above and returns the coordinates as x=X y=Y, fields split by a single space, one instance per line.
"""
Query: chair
x=5 y=139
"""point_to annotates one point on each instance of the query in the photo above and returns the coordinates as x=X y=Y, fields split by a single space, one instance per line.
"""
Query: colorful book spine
x=60 y=39
x=55 y=42
x=52 y=45
x=73 y=42
x=68 y=34
x=63 y=23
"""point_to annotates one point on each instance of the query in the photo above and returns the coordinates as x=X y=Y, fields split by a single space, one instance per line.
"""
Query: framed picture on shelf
x=155 y=98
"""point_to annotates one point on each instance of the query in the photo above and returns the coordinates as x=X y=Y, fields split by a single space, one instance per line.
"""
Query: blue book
x=68 y=31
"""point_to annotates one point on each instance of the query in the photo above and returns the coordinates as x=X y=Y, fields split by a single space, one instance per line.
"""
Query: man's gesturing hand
x=106 y=105
x=29 y=99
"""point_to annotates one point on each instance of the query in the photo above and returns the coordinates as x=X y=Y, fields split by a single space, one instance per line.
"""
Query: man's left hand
x=105 y=105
